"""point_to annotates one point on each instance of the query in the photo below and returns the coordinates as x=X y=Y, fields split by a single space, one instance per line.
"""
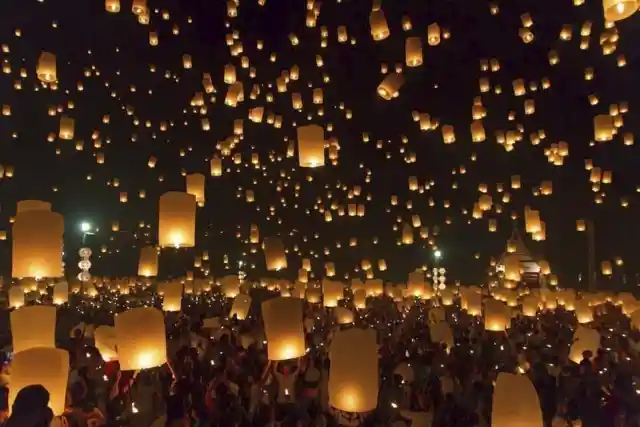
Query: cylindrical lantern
x=195 y=186
x=141 y=339
x=148 y=263
x=33 y=326
x=283 y=328
x=48 y=367
x=37 y=244
x=105 y=341
x=332 y=292
x=497 y=316
x=16 y=297
x=274 y=253
x=310 y=146
x=177 y=222
x=46 y=68
x=389 y=88
x=172 y=298
x=354 y=375
x=32 y=205
x=515 y=402
x=413 y=51
x=240 y=307
x=617 y=10
x=61 y=293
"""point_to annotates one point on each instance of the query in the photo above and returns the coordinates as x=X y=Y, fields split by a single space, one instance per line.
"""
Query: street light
x=86 y=229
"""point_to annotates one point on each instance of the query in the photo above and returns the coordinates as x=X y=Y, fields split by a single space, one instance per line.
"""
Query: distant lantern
x=187 y=62
x=216 y=166
x=141 y=339
x=33 y=326
x=139 y=7
x=67 y=125
x=28 y=369
x=603 y=128
x=112 y=6
x=229 y=74
x=283 y=328
x=515 y=402
x=32 y=205
x=37 y=244
x=311 y=146
x=353 y=378
x=148 y=263
x=389 y=88
x=617 y=10
x=46 y=68
x=379 y=26
x=413 y=51
x=177 y=219
x=433 y=34
x=196 y=186
x=274 y=253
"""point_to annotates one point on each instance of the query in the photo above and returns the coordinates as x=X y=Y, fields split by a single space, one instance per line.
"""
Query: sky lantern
x=37 y=244
x=378 y=24
x=112 y=6
x=275 y=255
x=515 y=402
x=311 y=146
x=141 y=338
x=389 y=88
x=283 y=328
x=241 y=306
x=33 y=326
x=354 y=376
x=46 y=68
x=32 y=205
x=177 y=219
x=196 y=187
x=148 y=263
x=27 y=368
x=139 y=7
x=617 y=10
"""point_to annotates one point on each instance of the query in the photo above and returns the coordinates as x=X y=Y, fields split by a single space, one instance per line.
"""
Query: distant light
x=437 y=254
x=85 y=227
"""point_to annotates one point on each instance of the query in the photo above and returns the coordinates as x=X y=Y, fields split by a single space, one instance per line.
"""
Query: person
x=31 y=408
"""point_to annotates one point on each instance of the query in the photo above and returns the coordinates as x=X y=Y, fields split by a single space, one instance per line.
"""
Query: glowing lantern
x=32 y=205
x=28 y=368
x=584 y=339
x=581 y=225
x=141 y=339
x=16 y=297
x=606 y=268
x=283 y=328
x=310 y=146
x=195 y=186
x=230 y=286
x=139 y=7
x=240 y=307
x=177 y=222
x=274 y=253
x=603 y=127
x=497 y=316
x=61 y=293
x=229 y=74
x=112 y=6
x=148 y=263
x=515 y=402
x=33 y=326
x=172 y=296
x=67 y=125
x=105 y=341
x=389 y=88
x=433 y=34
x=46 y=68
x=378 y=23
x=354 y=376
x=413 y=52
x=584 y=311
x=216 y=166
x=37 y=244
x=617 y=10
x=332 y=292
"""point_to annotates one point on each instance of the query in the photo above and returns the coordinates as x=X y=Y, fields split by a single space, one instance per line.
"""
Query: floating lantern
x=515 y=402
x=37 y=244
x=32 y=205
x=311 y=146
x=240 y=307
x=141 y=339
x=195 y=186
x=105 y=341
x=33 y=326
x=148 y=263
x=283 y=328
x=389 y=88
x=46 y=68
x=275 y=255
x=177 y=222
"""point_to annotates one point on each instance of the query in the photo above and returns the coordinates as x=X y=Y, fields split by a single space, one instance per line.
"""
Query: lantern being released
x=33 y=326
x=48 y=367
x=241 y=306
x=354 y=375
x=105 y=339
x=177 y=222
x=148 y=264
x=283 y=328
x=141 y=339
x=389 y=88
x=311 y=146
x=274 y=253
x=515 y=402
x=37 y=244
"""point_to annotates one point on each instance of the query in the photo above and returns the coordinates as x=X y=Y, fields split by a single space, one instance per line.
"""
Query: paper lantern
x=433 y=34
x=389 y=88
x=229 y=74
x=497 y=316
x=67 y=128
x=378 y=23
x=603 y=128
x=148 y=263
x=141 y=339
x=177 y=222
x=172 y=298
x=413 y=51
x=139 y=7
x=584 y=339
x=216 y=166
x=354 y=374
x=195 y=186
x=105 y=341
x=16 y=297
x=584 y=311
x=33 y=326
x=230 y=286
x=310 y=146
x=283 y=328
x=617 y=10
x=274 y=253
x=112 y=6
x=37 y=244
x=515 y=402
x=32 y=205
x=46 y=68
x=360 y=299
x=240 y=307
x=332 y=292
x=343 y=315
x=441 y=333
x=61 y=293
x=48 y=367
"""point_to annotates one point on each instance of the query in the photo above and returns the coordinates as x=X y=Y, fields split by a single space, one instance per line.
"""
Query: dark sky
x=86 y=38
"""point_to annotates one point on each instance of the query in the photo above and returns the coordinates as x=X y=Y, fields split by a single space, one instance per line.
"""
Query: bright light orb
x=437 y=254
x=85 y=227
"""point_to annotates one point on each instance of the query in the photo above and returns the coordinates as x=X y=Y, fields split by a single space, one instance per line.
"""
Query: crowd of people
x=221 y=376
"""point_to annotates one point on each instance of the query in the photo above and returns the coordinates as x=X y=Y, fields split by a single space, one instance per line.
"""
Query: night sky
x=109 y=54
